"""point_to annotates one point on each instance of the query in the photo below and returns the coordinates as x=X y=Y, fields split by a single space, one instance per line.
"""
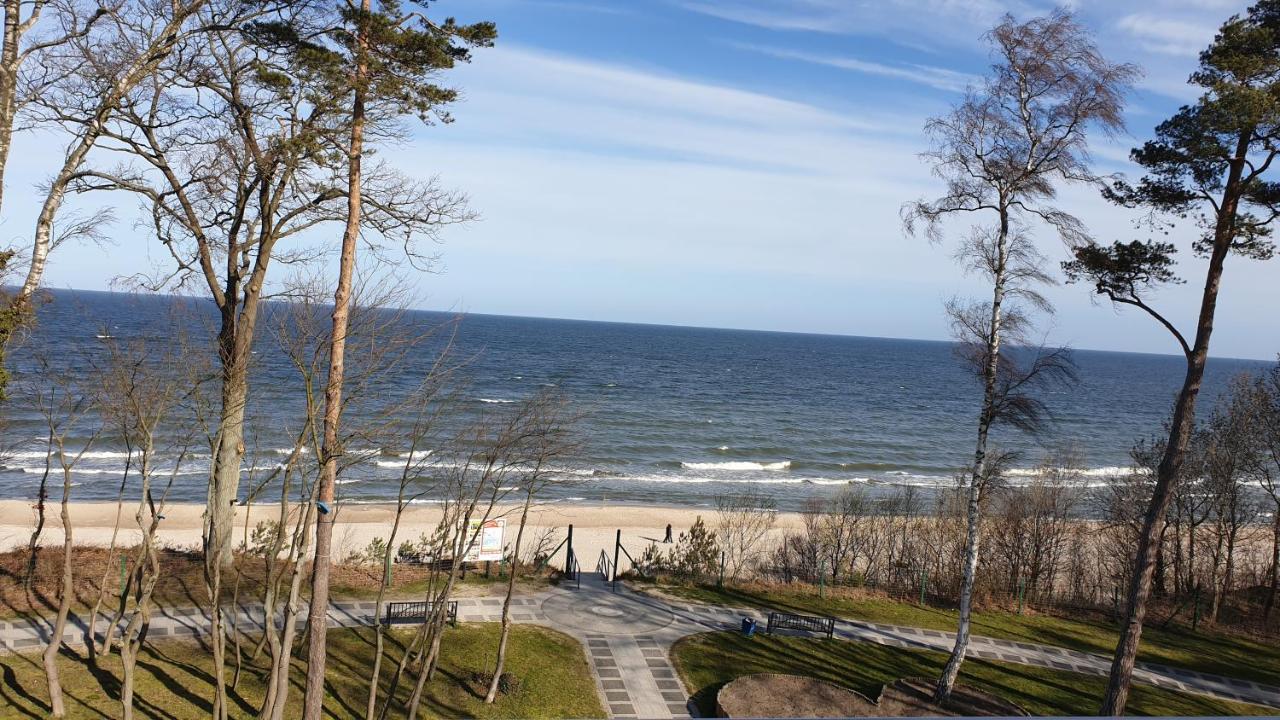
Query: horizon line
x=686 y=327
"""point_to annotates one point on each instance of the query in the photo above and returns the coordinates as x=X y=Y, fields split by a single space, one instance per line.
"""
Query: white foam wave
x=1100 y=472
x=57 y=470
x=404 y=458
x=495 y=401
x=88 y=455
x=700 y=480
x=737 y=465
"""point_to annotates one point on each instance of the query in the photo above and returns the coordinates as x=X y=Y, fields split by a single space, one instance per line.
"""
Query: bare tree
x=381 y=338
x=1229 y=450
x=743 y=521
x=1265 y=413
x=416 y=480
x=101 y=58
x=487 y=456
x=548 y=441
x=63 y=406
x=1002 y=151
x=143 y=388
x=1032 y=523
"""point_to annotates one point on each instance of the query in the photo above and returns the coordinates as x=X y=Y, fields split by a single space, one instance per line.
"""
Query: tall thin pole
x=568 y=555
x=617 y=546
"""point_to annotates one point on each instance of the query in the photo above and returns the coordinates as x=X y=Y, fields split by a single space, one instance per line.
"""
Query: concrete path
x=628 y=637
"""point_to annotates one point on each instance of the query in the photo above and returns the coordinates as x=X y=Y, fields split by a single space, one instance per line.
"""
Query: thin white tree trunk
x=973 y=519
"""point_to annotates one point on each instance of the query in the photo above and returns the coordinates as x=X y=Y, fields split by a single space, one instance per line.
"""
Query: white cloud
x=1167 y=36
x=529 y=97
x=935 y=77
x=948 y=22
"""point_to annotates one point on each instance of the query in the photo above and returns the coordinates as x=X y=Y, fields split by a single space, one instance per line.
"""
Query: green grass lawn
x=174 y=680
x=181 y=582
x=707 y=661
x=1206 y=651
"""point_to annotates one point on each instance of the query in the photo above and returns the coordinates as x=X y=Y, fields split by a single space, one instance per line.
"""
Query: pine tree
x=1210 y=162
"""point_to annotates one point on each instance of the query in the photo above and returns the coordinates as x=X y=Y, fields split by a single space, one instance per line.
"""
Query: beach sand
x=594 y=526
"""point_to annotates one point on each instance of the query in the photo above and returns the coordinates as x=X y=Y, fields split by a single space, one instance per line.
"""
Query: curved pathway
x=628 y=637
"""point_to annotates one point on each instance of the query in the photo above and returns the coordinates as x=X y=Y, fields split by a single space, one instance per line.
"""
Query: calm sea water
x=671 y=415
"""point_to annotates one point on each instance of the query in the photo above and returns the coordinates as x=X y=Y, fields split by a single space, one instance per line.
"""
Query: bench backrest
x=417 y=612
x=807 y=623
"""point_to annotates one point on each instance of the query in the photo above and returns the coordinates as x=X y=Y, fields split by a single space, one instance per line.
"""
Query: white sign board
x=485 y=540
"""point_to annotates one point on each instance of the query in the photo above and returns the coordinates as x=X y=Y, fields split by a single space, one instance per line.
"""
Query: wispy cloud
x=952 y=22
x=540 y=97
x=935 y=77
x=1166 y=36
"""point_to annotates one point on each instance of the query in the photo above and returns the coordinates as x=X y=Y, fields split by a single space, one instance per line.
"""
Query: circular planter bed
x=794 y=696
x=789 y=696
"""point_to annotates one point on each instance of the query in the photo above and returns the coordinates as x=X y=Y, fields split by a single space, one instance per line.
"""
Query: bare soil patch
x=794 y=696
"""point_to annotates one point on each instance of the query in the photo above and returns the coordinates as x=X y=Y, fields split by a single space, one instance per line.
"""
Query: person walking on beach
x=667 y=539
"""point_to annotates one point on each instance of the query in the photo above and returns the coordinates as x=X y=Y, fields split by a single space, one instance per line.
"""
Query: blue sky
x=741 y=163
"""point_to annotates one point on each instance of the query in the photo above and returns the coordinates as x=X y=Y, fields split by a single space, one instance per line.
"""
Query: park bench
x=806 y=623
x=408 y=612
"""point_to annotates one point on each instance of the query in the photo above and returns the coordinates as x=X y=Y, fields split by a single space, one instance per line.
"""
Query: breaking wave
x=737 y=465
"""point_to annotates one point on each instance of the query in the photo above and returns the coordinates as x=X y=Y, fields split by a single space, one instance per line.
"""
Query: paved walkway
x=628 y=637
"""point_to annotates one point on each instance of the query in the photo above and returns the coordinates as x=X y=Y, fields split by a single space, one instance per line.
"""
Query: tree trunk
x=163 y=42
x=435 y=625
x=42 y=497
x=976 y=477
x=8 y=83
x=277 y=697
x=1215 y=575
x=147 y=574
x=50 y=657
x=1228 y=574
x=228 y=451
x=1275 y=565
x=506 y=603
x=318 y=614
x=108 y=634
x=1180 y=427
x=375 y=674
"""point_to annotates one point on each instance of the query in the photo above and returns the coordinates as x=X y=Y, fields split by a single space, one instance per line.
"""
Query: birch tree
x=72 y=76
x=83 y=82
x=25 y=37
x=1002 y=153
x=1211 y=163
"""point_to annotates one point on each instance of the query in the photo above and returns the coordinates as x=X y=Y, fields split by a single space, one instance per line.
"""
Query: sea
x=664 y=415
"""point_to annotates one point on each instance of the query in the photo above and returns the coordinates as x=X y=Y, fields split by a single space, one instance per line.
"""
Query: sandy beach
x=595 y=526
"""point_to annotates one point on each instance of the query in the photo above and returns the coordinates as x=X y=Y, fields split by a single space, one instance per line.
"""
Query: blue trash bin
x=748 y=627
